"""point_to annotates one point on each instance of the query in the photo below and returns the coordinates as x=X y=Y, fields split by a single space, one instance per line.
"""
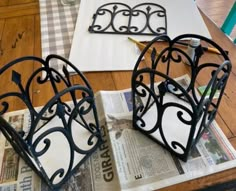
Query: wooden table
x=20 y=36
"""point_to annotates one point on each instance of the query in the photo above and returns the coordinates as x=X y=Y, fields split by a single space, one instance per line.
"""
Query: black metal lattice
x=171 y=113
x=57 y=125
x=120 y=18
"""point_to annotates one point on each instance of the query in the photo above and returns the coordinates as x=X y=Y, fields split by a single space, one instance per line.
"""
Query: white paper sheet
x=110 y=52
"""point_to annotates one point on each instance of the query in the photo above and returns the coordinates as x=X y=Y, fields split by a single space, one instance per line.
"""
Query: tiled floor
x=217 y=10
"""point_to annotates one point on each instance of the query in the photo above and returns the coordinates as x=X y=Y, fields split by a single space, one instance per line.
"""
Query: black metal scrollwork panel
x=120 y=18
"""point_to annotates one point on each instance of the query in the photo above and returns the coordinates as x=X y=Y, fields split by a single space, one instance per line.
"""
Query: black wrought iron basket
x=61 y=134
x=168 y=109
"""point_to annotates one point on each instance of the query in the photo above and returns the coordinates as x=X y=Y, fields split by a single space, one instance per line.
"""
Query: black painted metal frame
x=193 y=112
x=35 y=143
x=115 y=12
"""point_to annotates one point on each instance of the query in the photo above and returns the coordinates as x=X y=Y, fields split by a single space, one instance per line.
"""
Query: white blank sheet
x=111 y=52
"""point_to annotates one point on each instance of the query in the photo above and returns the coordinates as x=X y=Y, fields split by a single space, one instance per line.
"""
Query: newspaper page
x=144 y=165
x=15 y=173
x=98 y=173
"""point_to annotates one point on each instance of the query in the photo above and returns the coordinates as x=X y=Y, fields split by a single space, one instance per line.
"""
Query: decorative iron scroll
x=62 y=135
x=171 y=112
x=120 y=18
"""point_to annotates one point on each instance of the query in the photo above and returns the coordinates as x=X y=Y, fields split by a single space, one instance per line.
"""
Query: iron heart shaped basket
x=60 y=135
x=171 y=111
